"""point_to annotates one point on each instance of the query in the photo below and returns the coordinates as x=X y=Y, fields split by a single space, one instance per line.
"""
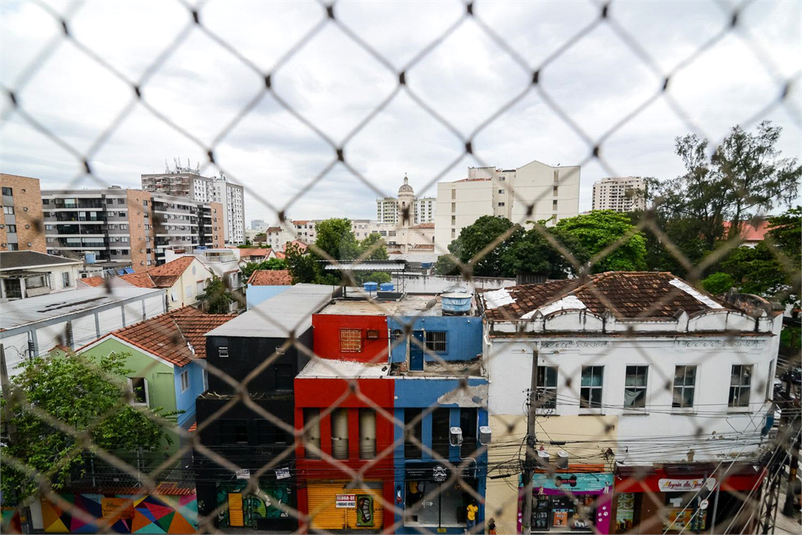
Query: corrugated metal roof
x=291 y=310
x=367 y=266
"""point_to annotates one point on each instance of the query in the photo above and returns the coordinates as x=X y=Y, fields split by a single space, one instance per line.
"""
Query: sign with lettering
x=282 y=473
x=346 y=501
x=117 y=508
x=243 y=474
x=682 y=485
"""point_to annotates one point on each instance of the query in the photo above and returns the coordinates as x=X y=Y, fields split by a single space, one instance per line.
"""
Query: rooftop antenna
x=166 y=166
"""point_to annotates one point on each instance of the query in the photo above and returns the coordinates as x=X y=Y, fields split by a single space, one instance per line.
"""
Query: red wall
x=326 y=332
x=325 y=393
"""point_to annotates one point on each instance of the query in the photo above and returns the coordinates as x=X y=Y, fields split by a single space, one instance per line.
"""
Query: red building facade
x=351 y=337
x=357 y=434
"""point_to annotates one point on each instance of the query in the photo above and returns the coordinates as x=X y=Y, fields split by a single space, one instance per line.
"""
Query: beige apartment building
x=621 y=194
x=533 y=192
x=21 y=218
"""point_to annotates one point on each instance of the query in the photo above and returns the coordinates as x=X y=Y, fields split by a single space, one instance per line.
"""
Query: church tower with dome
x=391 y=210
x=406 y=205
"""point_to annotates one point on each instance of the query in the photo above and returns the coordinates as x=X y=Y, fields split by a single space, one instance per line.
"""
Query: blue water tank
x=456 y=303
x=89 y=258
x=387 y=287
x=370 y=286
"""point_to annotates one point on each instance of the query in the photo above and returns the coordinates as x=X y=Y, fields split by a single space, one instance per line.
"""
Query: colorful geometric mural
x=125 y=513
x=253 y=508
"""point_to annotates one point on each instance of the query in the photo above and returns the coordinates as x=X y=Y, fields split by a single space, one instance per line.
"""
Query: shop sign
x=346 y=501
x=282 y=473
x=364 y=511
x=435 y=472
x=683 y=485
x=243 y=474
x=439 y=474
x=576 y=482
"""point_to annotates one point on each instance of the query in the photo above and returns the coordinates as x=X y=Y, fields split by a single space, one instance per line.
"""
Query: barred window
x=436 y=341
x=350 y=340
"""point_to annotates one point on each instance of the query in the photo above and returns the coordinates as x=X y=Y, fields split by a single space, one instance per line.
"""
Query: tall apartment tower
x=187 y=182
x=534 y=192
x=21 y=220
x=425 y=209
x=621 y=194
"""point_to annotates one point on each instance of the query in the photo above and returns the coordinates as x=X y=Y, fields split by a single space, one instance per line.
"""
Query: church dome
x=405 y=187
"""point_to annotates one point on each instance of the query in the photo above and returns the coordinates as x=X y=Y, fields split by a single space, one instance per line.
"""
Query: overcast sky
x=334 y=84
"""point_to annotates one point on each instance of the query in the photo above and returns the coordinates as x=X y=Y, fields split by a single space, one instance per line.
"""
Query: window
x=501 y=204
x=501 y=192
x=65 y=280
x=453 y=207
x=339 y=433
x=556 y=177
x=45 y=201
x=546 y=387
x=312 y=432
x=367 y=433
x=453 y=220
x=267 y=433
x=139 y=389
x=144 y=203
x=120 y=201
x=222 y=352
x=350 y=340
x=123 y=227
x=284 y=376
x=468 y=424
x=436 y=341
x=8 y=191
x=39 y=281
x=184 y=380
x=635 y=386
x=453 y=194
x=12 y=229
x=8 y=210
x=199 y=287
x=233 y=431
x=740 y=385
x=124 y=239
x=413 y=427
x=553 y=205
x=441 y=426
x=684 y=386
x=554 y=190
x=590 y=394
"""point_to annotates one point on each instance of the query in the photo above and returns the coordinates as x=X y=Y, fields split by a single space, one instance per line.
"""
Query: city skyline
x=335 y=84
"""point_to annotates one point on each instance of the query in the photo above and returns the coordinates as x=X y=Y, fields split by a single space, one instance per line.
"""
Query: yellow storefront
x=334 y=506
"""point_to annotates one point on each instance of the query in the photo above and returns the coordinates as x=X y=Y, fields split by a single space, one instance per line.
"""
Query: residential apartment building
x=188 y=183
x=389 y=210
x=653 y=387
x=621 y=194
x=21 y=219
x=127 y=226
x=102 y=225
x=533 y=192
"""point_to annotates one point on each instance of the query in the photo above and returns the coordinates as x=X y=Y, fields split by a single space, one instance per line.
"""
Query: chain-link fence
x=425 y=435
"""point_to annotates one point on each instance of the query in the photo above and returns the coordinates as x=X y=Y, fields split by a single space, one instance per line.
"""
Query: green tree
x=718 y=283
x=84 y=393
x=216 y=297
x=474 y=239
x=532 y=253
x=303 y=267
x=270 y=264
x=588 y=234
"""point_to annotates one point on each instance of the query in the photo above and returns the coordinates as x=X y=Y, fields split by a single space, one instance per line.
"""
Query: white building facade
x=533 y=192
x=621 y=194
x=683 y=383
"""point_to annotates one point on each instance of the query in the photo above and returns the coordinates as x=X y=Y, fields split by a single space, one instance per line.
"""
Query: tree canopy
x=84 y=393
x=335 y=240
x=587 y=235
x=269 y=264
x=216 y=297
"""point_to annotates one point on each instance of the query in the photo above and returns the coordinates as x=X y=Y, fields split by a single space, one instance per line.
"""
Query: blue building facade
x=463 y=337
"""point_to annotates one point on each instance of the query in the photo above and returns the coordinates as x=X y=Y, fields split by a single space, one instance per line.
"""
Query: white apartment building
x=533 y=192
x=387 y=210
x=425 y=208
x=682 y=388
x=620 y=194
x=187 y=182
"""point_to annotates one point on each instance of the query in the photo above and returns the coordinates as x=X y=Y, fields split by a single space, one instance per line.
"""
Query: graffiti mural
x=148 y=514
x=252 y=508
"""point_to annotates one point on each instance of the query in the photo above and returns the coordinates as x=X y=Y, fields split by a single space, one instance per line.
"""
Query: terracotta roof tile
x=267 y=277
x=140 y=280
x=749 y=232
x=165 y=275
x=167 y=335
x=246 y=253
x=626 y=294
x=93 y=281
x=424 y=225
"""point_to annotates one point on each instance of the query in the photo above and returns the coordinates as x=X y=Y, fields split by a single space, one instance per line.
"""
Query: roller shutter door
x=322 y=499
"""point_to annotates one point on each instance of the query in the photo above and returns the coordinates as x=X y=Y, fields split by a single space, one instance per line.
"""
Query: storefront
x=680 y=499
x=237 y=509
x=569 y=501
x=334 y=506
x=433 y=502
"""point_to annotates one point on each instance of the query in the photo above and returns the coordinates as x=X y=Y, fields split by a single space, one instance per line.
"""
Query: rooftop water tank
x=456 y=303
x=387 y=287
x=370 y=286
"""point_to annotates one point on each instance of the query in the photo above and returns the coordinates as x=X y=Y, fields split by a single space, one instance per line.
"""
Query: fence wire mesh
x=513 y=451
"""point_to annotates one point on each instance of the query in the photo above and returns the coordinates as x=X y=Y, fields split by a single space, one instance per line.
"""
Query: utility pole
x=531 y=454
